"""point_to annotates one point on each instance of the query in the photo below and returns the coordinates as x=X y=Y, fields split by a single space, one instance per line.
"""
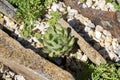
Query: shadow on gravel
x=23 y=42
x=79 y=28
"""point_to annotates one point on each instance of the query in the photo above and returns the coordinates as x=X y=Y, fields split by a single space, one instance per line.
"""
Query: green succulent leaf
x=71 y=42
x=37 y=35
x=51 y=55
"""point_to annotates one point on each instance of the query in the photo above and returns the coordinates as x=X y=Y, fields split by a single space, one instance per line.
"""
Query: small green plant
x=81 y=1
x=116 y=5
x=57 y=42
x=28 y=11
x=106 y=72
x=99 y=72
x=55 y=16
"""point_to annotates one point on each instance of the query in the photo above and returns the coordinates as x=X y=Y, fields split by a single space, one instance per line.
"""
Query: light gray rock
x=91 y=33
x=84 y=5
x=115 y=43
x=98 y=35
x=89 y=3
x=111 y=54
x=19 y=77
x=107 y=33
x=84 y=58
x=99 y=28
x=72 y=12
x=87 y=29
x=118 y=52
x=54 y=6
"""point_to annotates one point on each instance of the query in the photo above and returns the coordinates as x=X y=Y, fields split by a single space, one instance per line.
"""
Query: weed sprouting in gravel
x=28 y=11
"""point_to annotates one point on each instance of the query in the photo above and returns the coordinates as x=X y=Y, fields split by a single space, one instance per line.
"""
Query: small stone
x=84 y=20
x=111 y=54
x=115 y=43
x=21 y=27
x=7 y=20
x=97 y=40
x=99 y=28
x=106 y=24
x=3 y=76
x=91 y=33
x=84 y=58
x=89 y=3
x=12 y=25
x=8 y=78
x=39 y=45
x=107 y=33
x=101 y=4
x=19 y=77
x=90 y=24
x=103 y=37
x=79 y=54
x=2 y=20
x=98 y=34
x=117 y=59
x=47 y=16
x=118 y=52
x=95 y=4
x=1 y=68
x=108 y=39
x=110 y=7
x=11 y=73
x=61 y=6
x=107 y=43
x=54 y=6
x=84 y=5
x=105 y=8
x=72 y=12
x=102 y=44
x=61 y=9
x=87 y=29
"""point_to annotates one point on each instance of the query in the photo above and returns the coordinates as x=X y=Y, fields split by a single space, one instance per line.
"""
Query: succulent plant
x=57 y=41
x=106 y=72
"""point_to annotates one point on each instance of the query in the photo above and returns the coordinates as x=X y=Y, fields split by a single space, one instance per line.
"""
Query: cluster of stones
x=7 y=74
x=98 y=4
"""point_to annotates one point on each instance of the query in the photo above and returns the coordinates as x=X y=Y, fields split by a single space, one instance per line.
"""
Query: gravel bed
x=7 y=74
x=98 y=4
x=99 y=38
